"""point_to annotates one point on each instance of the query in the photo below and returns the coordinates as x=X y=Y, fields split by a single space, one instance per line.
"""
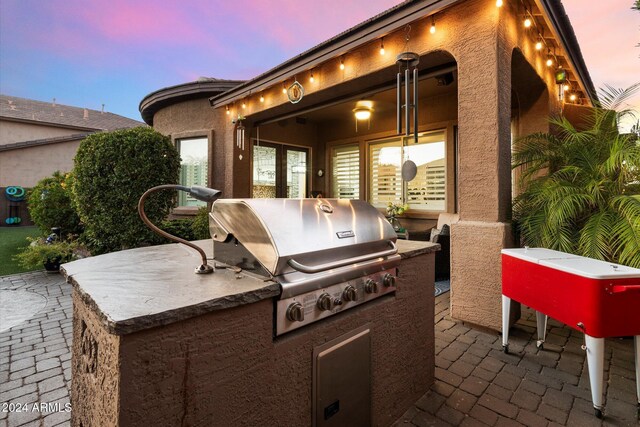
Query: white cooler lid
x=592 y=268
x=536 y=255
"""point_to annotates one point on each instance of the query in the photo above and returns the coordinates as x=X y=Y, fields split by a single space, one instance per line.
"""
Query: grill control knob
x=350 y=293
x=325 y=302
x=370 y=286
x=388 y=280
x=295 y=312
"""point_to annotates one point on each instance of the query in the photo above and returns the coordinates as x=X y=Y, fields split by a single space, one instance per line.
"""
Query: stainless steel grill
x=328 y=255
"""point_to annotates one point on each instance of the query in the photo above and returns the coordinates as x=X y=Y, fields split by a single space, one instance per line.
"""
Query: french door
x=280 y=171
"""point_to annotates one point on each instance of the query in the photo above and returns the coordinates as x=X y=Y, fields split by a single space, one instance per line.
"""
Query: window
x=194 y=167
x=345 y=164
x=427 y=191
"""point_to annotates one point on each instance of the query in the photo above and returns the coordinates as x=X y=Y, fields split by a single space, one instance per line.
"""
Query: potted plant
x=393 y=210
x=48 y=255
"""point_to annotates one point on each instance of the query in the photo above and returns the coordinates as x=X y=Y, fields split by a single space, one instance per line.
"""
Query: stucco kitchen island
x=155 y=344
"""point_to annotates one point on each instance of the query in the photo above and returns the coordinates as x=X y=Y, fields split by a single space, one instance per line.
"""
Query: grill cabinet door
x=342 y=381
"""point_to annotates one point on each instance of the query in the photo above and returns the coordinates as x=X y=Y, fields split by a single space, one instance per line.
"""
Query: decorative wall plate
x=295 y=92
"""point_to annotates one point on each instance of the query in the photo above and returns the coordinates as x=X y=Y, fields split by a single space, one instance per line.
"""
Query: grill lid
x=307 y=235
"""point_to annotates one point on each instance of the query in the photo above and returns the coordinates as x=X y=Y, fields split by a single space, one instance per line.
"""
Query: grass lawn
x=11 y=240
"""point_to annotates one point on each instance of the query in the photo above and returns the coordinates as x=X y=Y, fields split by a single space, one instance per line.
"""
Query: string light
x=549 y=60
x=342 y=63
x=539 y=45
x=284 y=88
x=311 y=79
x=244 y=105
x=382 y=46
x=527 y=22
x=228 y=112
x=565 y=88
x=573 y=97
x=432 y=30
x=261 y=98
x=498 y=3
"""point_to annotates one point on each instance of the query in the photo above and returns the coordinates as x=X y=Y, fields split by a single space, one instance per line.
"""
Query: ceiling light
x=363 y=110
x=362 y=113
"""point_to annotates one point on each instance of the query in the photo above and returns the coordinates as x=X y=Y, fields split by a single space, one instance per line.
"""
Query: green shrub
x=200 y=225
x=112 y=170
x=50 y=205
x=39 y=252
x=179 y=227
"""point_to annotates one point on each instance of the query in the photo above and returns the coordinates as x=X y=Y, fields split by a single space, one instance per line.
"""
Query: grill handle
x=310 y=269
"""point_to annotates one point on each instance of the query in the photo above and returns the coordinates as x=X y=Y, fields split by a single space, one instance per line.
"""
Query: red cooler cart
x=598 y=298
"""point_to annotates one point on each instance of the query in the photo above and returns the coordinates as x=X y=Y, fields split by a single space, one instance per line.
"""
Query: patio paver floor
x=476 y=383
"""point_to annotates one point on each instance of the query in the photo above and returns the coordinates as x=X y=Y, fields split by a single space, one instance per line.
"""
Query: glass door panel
x=280 y=171
x=296 y=164
x=264 y=171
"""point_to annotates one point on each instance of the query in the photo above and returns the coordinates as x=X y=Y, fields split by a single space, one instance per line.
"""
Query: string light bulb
x=539 y=45
x=341 y=63
x=432 y=30
x=382 y=46
x=284 y=88
x=527 y=22
x=549 y=61
x=244 y=105
x=311 y=79
x=565 y=88
x=261 y=98
x=228 y=112
x=498 y=3
x=573 y=97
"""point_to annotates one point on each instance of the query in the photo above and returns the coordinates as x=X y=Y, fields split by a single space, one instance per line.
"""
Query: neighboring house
x=485 y=77
x=38 y=138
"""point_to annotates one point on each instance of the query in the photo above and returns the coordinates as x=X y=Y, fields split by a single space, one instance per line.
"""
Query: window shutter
x=346 y=172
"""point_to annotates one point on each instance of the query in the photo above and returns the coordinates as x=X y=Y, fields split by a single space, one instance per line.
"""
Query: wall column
x=484 y=177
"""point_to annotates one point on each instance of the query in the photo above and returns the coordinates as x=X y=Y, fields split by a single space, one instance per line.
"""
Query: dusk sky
x=89 y=52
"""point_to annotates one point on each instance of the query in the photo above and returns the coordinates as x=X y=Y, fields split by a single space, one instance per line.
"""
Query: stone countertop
x=411 y=248
x=141 y=288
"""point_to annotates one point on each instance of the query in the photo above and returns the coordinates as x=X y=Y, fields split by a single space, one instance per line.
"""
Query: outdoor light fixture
x=311 y=79
x=342 y=63
x=565 y=88
x=363 y=112
x=201 y=193
x=284 y=88
x=539 y=45
x=382 y=46
x=573 y=97
x=498 y=3
x=261 y=98
x=549 y=61
x=228 y=112
x=527 y=22
x=244 y=105
x=432 y=30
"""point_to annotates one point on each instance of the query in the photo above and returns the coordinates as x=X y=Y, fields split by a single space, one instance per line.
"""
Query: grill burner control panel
x=300 y=310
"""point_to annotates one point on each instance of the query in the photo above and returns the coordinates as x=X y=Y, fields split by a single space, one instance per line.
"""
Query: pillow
x=434 y=235
x=445 y=231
